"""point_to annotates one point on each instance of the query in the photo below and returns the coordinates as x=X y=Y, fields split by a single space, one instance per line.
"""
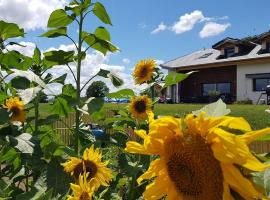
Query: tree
x=97 y=89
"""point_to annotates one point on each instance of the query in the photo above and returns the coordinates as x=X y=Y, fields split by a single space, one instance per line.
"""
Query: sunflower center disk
x=84 y=196
x=89 y=166
x=194 y=171
x=144 y=72
x=140 y=106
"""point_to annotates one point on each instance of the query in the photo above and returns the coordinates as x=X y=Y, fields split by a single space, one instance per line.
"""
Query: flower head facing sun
x=91 y=164
x=144 y=71
x=82 y=190
x=140 y=106
x=198 y=158
x=16 y=106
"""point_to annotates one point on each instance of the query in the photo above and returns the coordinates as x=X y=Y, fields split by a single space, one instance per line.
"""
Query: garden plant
x=204 y=155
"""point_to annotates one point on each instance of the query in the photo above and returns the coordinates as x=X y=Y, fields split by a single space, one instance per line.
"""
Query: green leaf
x=124 y=93
x=20 y=83
x=37 y=56
x=10 y=30
x=62 y=31
x=216 y=109
x=23 y=142
x=100 y=11
x=59 y=18
x=116 y=81
x=95 y=105
x=98 y=44
x=60 y=79
x=14 y=59
x=69 y=90
x=3 y=97
x=59 y=57
x=77 y=8
x=102 y=33
x=267 y=182
x=48 y=120
x=174 y=78
x=4 y=116
x=61 y=107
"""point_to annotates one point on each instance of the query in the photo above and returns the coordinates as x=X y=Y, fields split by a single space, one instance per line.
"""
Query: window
x=222 y=88
x=205 y=55
x=259 y=84
x=229 y=52
x=268 y=46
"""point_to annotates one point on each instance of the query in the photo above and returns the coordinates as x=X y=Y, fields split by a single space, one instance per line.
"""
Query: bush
x=97 y=89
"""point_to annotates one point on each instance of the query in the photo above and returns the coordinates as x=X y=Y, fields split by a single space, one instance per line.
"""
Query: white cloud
x=159 y=62
x=187 y=22
x=29 y=14
x=161 y=27
x=26 y=49
x=213 y=29
x=142 y=25
x=126 y=61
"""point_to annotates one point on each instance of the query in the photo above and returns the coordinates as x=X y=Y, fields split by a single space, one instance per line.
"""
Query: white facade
x=244 y=86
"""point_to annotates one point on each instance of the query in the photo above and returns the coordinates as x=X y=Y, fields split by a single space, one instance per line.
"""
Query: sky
x=158 y=29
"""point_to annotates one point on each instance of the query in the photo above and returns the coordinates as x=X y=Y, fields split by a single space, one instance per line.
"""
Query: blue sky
x=134 y=22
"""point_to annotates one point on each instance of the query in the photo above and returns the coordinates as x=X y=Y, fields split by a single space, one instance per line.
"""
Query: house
x=237 y=69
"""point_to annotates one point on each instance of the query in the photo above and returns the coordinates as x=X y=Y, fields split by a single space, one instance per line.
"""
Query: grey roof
x=194 y=59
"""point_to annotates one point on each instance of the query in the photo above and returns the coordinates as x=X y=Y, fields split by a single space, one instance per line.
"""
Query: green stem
x=132 y=187
x=36 y=104
x=78 y=82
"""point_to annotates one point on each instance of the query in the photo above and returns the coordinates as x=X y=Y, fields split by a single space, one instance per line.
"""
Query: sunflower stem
x=78 y=88
x=36 y=104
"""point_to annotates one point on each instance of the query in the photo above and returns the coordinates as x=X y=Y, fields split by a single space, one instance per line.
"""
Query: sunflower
x=140 y=106
x=91 y=163
x=144 y=71
x=16 y=106
x=82 y=191
x=198 y=158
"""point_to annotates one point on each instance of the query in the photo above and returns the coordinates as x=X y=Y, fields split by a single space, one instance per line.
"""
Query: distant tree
x=97 y=89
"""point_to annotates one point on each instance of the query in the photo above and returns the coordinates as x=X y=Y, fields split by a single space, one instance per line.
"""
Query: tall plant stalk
x=78 y=82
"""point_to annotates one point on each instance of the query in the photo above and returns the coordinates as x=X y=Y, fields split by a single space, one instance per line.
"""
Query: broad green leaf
x=61 y=107
x=98 y=44
x=100 y=11
x=124 y=93
x=69 y=90
x=102 y=33
x=77 y=8
x=59 y=18
x=174 y=78
x=95 y=105
x=60 y=79
x=3 y=97
x=267 y=182
x=10 y=155
x=216 y=109
x=59 y=57
x=10 y=30
x=48 y=78
x=37 y=56
x=14 y=59
x=48 y=120
x=22 y=142
x=20 y=83
x=30 y=76
x=62 y=31
x=116 y=81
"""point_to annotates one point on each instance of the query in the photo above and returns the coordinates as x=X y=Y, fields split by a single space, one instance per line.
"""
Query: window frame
x=227 y=49
x=254 y=84
x=268 y=46
x=216 y=86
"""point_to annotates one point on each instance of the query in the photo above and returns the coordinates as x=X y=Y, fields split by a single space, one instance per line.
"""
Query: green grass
x=254 y=114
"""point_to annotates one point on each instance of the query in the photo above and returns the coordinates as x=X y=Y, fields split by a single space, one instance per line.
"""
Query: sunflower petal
x=251 y=136
x=239 y=183
x=227 y=193
x=229 y=148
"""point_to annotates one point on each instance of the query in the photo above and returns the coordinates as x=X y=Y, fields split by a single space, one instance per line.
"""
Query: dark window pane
x=229 y=52
x=207 y=88
x=268 y=46
x=260 y=84
x=224 y=88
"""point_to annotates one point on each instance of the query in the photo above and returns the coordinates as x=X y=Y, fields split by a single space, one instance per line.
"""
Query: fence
x=63 y=128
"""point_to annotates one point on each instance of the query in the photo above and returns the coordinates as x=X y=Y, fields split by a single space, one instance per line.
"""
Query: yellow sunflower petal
x=239 y=183
x=227 y=193
x=141 y=133
x=135 y=147
x=229 y=148
x=251 y=136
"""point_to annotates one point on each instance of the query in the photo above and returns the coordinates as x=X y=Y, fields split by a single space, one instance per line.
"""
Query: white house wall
x=245 y=85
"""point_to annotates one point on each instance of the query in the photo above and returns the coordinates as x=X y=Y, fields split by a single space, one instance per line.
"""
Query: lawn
x=254 y=114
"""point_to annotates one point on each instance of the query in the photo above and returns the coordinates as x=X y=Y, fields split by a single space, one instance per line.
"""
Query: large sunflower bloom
x=144 y=71
x=92 y=164
x=16 y=106
x=140 y=106
x=198 y=158
x=82 y=191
